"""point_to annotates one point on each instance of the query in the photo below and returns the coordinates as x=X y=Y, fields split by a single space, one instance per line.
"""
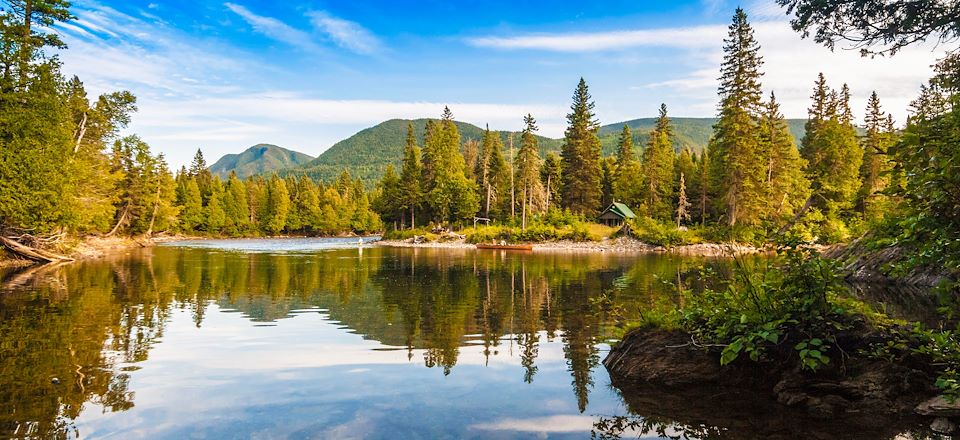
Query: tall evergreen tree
x=492 y=174
x=581 y=155
x=737 y=166
x=876 y=162
x=627 y=180
x=277 y=206
x=786 y=187
x=450 y=194
x=658 y=169
x=550 y=175
x=832 y=151
x=528 y=170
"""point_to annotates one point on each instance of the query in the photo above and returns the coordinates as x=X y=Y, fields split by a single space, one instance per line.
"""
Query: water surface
x=298 y=338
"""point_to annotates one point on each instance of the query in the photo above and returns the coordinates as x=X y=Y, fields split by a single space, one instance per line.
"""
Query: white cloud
x=684 y=37
x=273 y=28
x=345 y=33
x=544 y=425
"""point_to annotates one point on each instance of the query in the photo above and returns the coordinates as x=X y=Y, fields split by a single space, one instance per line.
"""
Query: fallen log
x=31 y=253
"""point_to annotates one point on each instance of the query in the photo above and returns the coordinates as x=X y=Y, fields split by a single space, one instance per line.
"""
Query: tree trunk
x=81 y=130
x=796 y=217
x=413 y=221
x=513 y=191
x=123 y=218
x=30 y=253
x=156 y=207
x=523 y=223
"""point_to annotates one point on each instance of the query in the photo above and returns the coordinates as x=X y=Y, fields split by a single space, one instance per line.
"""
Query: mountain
x=367 y=153
x=693 y=133
x=260 y=158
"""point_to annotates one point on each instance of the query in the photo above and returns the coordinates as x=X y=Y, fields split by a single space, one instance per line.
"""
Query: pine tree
x=236 y=207
x=627 y=180
x=214 y=217
x=786 y=187
x=581 y=155
x=451 y=196
x=528 y=170
x=492 y=173
x=658 y=164
x=550 y=175
x=876 y=163
x=277 y=206
x=411 y=186
x=833 y=153
x=737 y=166
x=388 y=202
x=191 y=208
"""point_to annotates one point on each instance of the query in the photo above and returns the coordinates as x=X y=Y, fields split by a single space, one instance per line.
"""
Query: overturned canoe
x=508 y=247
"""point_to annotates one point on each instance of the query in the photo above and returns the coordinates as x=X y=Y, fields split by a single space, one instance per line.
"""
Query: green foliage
x=663 y=234
x=658 y=169
x=773 y=312
x=581 y=155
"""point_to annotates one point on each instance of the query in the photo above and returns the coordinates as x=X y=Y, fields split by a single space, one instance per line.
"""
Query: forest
x=65 y=169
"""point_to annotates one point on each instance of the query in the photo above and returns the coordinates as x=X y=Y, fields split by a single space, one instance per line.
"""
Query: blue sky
x=223 y=76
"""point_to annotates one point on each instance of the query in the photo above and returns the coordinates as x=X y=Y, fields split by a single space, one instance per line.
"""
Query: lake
x=330 y=338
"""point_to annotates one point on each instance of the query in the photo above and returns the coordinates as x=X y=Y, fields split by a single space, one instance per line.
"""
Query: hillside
x=261 y=158
x=367 y=153
x=693 y=133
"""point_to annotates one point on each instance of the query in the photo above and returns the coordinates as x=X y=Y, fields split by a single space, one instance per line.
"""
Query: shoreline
x=615 y=245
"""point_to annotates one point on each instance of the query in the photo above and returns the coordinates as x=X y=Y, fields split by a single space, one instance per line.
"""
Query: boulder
x=939 y=406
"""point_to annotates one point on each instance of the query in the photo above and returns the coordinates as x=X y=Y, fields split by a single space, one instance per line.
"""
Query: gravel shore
x=617 y=245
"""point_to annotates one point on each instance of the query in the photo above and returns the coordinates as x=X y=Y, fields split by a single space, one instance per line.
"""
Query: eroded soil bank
x=665 y=374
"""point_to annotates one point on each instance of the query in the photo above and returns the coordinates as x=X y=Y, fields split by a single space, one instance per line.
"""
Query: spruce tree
x=683 y=205
x=492 y=174
x=876 y=163
x=833 y=153
x=528 y=170
x=658 y=169
x=737 y=166
x=277 y=206
x=581 y=155
x=550 y=175
x=450 y=195
x=627 y=180
x=786 y=187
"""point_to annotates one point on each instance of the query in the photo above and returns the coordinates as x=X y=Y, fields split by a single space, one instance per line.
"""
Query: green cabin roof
x=620 y=209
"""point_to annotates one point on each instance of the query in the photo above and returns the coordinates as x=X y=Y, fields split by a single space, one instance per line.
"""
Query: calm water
x=328 y=339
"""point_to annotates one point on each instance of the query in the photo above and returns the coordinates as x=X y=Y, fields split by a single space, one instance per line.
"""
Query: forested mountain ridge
x=367 y=153
x=259 y=159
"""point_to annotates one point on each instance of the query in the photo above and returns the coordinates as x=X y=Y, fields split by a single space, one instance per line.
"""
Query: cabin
x=615 y=214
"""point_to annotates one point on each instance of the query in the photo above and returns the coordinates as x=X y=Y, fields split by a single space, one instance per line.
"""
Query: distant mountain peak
x=258 y=159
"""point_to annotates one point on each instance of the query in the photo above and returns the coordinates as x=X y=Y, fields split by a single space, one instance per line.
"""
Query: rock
x=939 y=407
x=55 y=381
x=942 y=425
x=662 y=357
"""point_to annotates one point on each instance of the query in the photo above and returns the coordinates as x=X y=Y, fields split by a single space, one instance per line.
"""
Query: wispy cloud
x=274 y=28
x=684 y=37
x=345 y=33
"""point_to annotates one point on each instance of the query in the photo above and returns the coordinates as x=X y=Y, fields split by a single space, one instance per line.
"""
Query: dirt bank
x=856 y=391
x=617 y=245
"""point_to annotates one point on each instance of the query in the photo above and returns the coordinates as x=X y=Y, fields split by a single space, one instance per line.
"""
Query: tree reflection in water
x=89 y=325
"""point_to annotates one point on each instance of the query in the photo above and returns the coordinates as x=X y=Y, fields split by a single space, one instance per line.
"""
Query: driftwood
x=32 y=253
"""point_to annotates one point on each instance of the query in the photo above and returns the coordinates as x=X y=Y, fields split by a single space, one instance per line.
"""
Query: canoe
x=507 y=247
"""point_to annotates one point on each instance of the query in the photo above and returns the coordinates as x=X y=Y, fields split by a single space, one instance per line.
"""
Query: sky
x=223 y=76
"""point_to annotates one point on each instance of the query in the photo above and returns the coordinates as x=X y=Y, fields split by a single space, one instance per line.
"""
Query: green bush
x=789 y=308
x=656 y=233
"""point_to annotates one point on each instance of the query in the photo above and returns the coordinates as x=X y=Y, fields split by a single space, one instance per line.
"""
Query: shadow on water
x=72 y=337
